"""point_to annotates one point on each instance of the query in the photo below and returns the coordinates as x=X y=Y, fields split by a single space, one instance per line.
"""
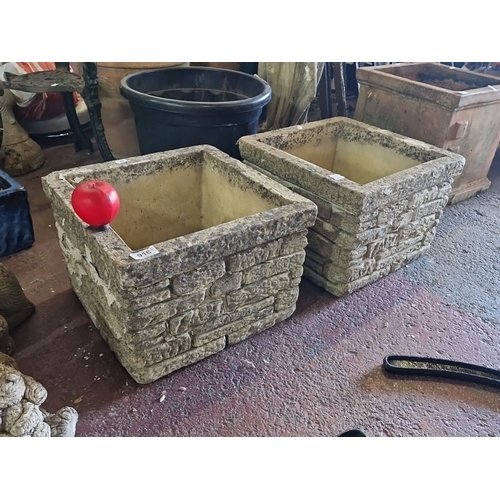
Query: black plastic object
x=16 y=227
x=413 y=365
x=180 y=107
x=353 y=433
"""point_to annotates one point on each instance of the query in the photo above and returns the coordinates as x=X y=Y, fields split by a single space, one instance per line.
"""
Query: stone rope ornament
x=20 y=413
x=14 y=308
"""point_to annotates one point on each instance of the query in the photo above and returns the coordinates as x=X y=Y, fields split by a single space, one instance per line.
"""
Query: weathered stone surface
x=274 y=266
x=232 y=316
x=382 y=195
x=286 y=299
x=259 y=325
x=159 y=313
x=235 y=326
x=180 y=324
x=327 y=230
x=146 y=375
x=217 y=281
x=315 y=266
x=142 y=291
x=207 y=311
x=257 y=291
x=168 y=349
x=247 y=259
x=293 y=244
x=226 y=284
x=145 y=300
x=202 y=277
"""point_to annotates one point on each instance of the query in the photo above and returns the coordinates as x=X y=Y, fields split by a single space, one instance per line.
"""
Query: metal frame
x=62 y=81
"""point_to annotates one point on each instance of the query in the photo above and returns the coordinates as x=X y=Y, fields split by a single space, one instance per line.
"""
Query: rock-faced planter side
x=228 y=248
x=450 y=108
x=16 y=227
x=379 y=195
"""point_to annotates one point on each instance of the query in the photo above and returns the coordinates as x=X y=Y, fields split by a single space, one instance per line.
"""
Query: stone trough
x=204 y=253
x=379 y=195
x=450 y=108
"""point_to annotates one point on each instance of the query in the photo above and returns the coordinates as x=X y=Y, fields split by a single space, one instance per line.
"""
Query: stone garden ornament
x=20 y=413
x=14 y=307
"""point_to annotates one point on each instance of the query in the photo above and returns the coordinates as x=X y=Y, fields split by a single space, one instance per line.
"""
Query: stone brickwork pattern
x=200 y=292
x=362 y=232
x=163 y=326
x=347 y=252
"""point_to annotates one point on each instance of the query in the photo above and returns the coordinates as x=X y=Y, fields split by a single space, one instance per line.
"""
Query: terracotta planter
x=117 y=117
x=454 y=109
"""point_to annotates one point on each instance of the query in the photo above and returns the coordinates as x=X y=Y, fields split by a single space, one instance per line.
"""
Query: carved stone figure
x=20 y=412
x=18 y=153
x=14 y=307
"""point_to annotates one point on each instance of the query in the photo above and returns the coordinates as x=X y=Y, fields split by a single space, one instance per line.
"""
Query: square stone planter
x=16 y=227
x=379 y=195
x=447 y=107
x=204 y=253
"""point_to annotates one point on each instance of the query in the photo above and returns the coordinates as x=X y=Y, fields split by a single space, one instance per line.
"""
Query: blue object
x=16 y=226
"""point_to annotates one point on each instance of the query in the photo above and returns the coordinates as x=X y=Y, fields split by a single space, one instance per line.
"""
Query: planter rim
x=447 y=98
x=137 y=65
x=58 y=185
x=138 y=98
x=327 y=180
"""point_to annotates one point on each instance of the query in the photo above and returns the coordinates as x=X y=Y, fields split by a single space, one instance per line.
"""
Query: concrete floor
x=317 y=374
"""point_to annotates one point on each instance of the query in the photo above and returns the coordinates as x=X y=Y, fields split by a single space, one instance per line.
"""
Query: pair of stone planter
x=207 y=251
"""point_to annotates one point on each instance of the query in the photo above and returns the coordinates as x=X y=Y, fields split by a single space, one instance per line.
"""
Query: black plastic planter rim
x=189 y=107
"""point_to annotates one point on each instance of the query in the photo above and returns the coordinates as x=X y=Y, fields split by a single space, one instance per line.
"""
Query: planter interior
x=361 y=163
x=223 y=257
x=379 y=195
x=167 y=204
x=439 y=75
x=447 y=107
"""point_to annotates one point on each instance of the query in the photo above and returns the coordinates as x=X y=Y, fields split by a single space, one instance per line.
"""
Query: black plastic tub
x=179 y=107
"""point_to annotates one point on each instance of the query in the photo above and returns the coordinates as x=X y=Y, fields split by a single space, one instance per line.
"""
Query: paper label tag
x=144 y=254
x=337 y=177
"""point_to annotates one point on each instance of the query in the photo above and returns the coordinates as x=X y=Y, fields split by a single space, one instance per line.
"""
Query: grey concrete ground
x=319 y=373
x=463 y=264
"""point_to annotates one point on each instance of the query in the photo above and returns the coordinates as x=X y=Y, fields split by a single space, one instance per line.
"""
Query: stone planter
x=204 y=253
x=379 y=195
x=448 y=107
x=16 y=227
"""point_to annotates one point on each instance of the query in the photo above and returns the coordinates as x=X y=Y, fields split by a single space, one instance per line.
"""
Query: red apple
x=96 y=202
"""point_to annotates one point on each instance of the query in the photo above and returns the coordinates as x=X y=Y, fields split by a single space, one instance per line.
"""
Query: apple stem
x=101 y=228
